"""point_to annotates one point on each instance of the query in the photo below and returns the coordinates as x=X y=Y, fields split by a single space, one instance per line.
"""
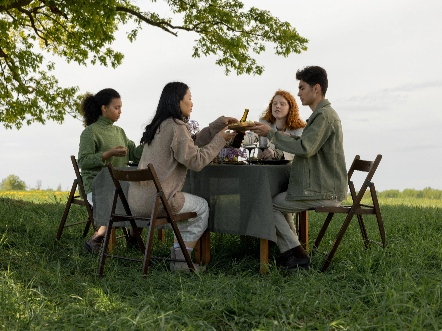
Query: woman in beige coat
x=170 y=147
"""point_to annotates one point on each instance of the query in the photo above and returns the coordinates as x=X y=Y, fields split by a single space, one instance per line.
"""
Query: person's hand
x=119 y=151
x=229 y=120
x=268 y=154
x=282 y=132
x=260 y=129
x=227 y=135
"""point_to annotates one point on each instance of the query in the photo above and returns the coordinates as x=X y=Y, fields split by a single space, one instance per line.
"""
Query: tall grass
x=47 y=284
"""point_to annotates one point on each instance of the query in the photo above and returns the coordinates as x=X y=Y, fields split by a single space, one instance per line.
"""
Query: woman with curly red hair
x=282 y=114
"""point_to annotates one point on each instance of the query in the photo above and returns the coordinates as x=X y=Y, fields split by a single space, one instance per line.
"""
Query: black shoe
x=132 y=242
x=294 y=263
x=294 y=258
x=93 y=245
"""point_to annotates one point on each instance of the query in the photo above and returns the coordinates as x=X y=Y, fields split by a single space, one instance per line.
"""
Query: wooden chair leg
x=105 y=245
x=363 y=231
x=197 y=250
x=66 y=210
x=323 y=229
x=161 y=235
x=337 y=241
x=148 y=249
x=264 y=255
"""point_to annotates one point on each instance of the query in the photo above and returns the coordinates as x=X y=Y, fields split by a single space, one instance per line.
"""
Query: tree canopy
x=83 y=32
x=12 y=182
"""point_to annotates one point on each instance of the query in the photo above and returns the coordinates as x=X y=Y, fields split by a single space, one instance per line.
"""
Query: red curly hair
x=293 y=120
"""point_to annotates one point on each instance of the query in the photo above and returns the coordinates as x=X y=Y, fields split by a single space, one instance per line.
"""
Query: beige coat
x=172 y=151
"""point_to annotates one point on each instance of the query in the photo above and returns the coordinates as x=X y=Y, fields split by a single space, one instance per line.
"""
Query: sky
x=384 y=65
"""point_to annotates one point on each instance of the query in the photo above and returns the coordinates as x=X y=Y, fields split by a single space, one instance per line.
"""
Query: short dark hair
x=314 y=75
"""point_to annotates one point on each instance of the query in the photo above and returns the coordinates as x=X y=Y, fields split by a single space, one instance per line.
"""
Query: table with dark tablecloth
x=239 y=196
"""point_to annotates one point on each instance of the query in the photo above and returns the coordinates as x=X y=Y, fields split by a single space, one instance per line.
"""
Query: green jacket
x=100 y=137
x=318 y=168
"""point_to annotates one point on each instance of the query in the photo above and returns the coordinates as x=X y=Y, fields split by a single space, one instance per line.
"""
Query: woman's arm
x=190 y=155
x=203 y=137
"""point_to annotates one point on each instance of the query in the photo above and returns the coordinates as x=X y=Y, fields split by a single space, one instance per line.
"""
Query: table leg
x=161 y=235
x=112 y=240
x=264 y=255
x=205 y=248
x=303 y=228
x=202 y=249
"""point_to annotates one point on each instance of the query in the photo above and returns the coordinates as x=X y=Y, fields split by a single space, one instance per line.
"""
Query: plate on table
x=270 y=161
x=232 y=162
x=241 y=126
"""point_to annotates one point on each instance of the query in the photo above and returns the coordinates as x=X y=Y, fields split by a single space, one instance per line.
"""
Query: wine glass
x=263 y=143
x=249 y=149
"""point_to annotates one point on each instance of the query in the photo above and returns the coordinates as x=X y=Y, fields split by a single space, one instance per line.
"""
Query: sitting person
x=318 y=176
x=102 y=142
x=282 y=114
x=170 y=148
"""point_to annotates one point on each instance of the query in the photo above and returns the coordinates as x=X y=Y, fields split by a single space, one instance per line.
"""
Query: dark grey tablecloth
x=239 y=196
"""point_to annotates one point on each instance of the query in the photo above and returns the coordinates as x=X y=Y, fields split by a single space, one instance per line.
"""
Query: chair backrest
x=136 y=175
x=364 y=166
x=78 y=180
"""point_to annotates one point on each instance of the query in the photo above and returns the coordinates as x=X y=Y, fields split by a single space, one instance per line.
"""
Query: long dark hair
x=91 y=104
x=168 y=107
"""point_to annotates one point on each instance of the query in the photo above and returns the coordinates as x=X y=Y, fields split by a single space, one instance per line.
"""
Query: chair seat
x=345 y=210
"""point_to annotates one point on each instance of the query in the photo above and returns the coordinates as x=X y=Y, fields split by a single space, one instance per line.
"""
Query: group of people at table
x=318 y=174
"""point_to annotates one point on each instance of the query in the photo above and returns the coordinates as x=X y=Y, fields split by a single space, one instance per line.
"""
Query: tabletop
x=239 y=196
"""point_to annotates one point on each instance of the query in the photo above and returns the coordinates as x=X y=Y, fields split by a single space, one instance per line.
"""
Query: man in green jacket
x=318 y=176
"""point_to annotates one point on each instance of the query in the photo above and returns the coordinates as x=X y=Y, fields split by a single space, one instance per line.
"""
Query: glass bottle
x=237 y=141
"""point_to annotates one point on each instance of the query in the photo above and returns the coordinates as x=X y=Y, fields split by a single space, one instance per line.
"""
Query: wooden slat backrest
x=132 y=175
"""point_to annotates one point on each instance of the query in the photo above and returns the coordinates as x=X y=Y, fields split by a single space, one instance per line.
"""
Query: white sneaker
x=177 y=253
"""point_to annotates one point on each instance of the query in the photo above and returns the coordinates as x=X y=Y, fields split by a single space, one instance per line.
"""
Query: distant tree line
x=14 y=183
x=426 y=193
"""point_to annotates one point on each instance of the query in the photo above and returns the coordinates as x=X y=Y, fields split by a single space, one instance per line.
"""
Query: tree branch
x=148 y=21
x=29 y=14
x=17 y=4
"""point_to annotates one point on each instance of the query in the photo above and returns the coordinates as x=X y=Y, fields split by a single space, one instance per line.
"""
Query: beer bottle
x=237 y=141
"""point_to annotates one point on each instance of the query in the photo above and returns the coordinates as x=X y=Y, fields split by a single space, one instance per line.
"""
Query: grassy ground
x=47 y=284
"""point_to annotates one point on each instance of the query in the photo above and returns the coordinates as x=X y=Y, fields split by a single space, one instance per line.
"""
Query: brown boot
x=93 y=245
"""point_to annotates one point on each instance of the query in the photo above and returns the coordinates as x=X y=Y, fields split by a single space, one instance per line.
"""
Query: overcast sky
x=384 y=64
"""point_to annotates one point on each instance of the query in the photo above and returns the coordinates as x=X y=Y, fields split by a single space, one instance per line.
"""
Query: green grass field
x=47 y=284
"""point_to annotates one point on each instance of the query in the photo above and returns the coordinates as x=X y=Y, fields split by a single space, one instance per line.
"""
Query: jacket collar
x=321 y=105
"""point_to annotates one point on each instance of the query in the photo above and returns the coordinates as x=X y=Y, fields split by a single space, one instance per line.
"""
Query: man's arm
x=312 y=139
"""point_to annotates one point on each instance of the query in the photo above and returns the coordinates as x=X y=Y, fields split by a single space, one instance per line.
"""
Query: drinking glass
x=263 y=143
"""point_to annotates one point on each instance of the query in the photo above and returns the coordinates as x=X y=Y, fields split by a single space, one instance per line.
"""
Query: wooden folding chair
x=77 y=200
x=137 y=175
x=356 y=208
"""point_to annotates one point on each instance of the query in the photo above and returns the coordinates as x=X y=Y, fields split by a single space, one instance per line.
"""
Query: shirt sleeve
x=206 y=135
x=134 y=152
x=309 y=143
x=88 y=158
x=189 y=154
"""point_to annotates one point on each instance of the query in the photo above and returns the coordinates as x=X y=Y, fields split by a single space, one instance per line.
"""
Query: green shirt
x=318 y=169
x=100 y=137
